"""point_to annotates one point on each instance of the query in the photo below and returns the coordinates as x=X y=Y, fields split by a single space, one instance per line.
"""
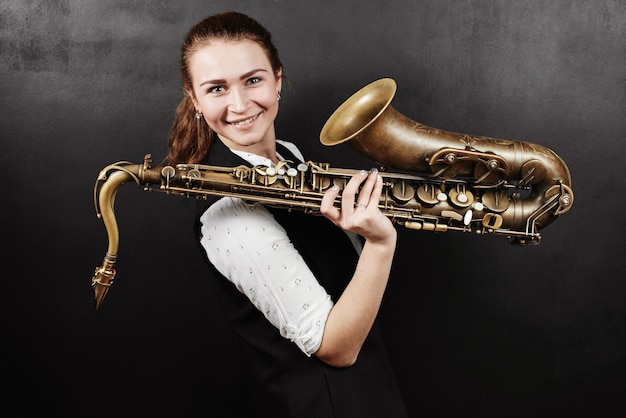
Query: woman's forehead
x=225 y=56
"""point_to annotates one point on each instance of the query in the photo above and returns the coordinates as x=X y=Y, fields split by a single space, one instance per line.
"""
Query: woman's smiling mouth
x=244 y=122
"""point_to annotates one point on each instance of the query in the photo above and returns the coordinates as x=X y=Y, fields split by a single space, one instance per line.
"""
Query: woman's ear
x=279 y=80
x=189 y=93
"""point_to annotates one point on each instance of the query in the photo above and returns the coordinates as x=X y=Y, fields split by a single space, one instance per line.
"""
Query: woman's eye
x=254 y=80
x=216 y=89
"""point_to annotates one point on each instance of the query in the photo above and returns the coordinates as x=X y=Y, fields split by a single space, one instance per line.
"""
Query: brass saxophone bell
x=487 y=166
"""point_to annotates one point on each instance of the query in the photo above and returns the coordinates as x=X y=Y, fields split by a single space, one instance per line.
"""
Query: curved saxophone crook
x=110 y=179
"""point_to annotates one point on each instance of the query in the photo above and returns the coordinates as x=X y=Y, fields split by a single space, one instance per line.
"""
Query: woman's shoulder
x=233 y=209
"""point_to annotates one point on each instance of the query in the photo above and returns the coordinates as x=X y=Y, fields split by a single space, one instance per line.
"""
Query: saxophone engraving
x=443 y=181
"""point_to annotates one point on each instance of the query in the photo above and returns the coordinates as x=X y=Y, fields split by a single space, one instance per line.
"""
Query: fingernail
x=379 y=178
x=373 y=170
x=335 y=187
x=363 y=172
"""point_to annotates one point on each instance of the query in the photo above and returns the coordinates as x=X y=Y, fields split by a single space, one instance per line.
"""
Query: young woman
x=299 y=289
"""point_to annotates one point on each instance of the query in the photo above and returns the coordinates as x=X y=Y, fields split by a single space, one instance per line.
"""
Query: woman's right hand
x=359 y=212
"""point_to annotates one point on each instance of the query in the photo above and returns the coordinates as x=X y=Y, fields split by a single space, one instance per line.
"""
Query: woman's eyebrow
x=252 y=72
x=243 y=77
x=218 y=81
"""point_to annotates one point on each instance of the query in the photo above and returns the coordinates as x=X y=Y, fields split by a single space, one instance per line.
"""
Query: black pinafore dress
x=282 y=381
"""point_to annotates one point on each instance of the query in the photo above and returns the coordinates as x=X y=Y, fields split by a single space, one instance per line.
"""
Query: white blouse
x=252 y=250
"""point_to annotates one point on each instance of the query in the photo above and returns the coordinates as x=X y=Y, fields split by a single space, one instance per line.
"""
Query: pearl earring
x=278 y=96
x=198 y=115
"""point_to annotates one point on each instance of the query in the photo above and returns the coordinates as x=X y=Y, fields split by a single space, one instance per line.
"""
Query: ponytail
x=190 y=137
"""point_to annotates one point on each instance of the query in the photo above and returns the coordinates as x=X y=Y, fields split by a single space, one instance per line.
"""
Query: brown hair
x=190 y=138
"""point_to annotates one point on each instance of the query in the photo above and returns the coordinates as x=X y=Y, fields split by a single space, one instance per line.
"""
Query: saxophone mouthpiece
x=103 y=279
x=100 y=292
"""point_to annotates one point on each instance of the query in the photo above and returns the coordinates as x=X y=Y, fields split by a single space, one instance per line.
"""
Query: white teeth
x=244 y=122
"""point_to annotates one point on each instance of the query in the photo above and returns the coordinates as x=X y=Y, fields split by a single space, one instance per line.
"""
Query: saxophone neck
x=110 y=179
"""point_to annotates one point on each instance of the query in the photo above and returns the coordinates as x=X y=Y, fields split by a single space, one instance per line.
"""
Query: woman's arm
x=252 y=250
x=353 y=315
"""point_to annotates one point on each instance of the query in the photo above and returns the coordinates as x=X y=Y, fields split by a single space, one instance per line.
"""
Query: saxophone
x=441 y=181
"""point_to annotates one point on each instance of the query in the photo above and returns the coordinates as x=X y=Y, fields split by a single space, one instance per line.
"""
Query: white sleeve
x=246 y=244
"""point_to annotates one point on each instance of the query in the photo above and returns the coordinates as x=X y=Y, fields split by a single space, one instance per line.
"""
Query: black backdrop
x=475 y=327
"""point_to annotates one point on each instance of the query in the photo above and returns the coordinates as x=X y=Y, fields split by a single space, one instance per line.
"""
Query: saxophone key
x=492 y=221
x=461 y=197
x=265 y=175
x=467 y=218
x=430 y=195
x=452 y=215
x=402 y=192
x=496 y=200
x=426 y=226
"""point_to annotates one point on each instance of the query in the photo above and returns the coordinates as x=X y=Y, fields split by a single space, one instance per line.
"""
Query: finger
x=348 y=197
x=377 y=188
x=365 y=195
x=327 y=206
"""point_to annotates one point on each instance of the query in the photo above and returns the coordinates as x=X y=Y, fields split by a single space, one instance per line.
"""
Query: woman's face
x=236 y=90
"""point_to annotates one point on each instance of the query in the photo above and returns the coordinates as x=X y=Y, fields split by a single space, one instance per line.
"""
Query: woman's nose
x=238 y=100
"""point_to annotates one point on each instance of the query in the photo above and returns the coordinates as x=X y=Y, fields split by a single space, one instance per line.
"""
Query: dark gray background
x=475 y=328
